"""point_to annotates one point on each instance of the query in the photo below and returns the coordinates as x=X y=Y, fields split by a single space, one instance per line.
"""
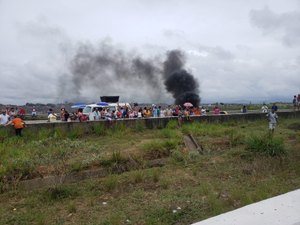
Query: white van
x=111 y=106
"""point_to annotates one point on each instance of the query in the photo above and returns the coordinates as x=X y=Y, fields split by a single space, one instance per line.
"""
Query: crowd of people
x=106 y=113
x=15 y=116
x=12 y=116
x=296 y=102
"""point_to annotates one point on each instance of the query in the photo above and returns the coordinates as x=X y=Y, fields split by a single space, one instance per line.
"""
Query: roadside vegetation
x=151 y=177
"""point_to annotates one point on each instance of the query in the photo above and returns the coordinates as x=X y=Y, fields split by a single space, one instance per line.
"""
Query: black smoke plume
x=108 y=70
x=181 y=84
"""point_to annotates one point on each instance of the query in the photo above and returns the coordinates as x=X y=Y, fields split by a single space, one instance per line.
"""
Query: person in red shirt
x=22 y=113
x=216 y=110
x=18 y=124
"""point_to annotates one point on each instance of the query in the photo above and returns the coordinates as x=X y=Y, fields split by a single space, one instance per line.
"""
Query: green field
x=241 y=164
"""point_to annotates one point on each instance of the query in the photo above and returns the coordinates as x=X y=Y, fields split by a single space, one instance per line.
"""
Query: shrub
x=19 y=168
x=178 y=156
x=61 y=192
x=266 y=145
x=155 y=173
x=159 y=149
x=169 y=133
x=116 y=163
x=138 y=176
x=110 y=183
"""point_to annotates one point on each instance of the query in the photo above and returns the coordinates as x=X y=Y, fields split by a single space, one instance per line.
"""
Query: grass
x=237 y=168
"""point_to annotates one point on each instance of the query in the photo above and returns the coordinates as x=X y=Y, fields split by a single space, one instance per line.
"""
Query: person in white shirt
x=51 y=116
x=97 y=114
x=33 y=113
x=92 y=116
x=273 y=119
x=264 y=108
x=4 y=118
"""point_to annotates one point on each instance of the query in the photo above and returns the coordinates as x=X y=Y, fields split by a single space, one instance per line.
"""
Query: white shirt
x=264 y=108
x=52 y=117
x=272 y=117
x=91 y=116
x=3 y=119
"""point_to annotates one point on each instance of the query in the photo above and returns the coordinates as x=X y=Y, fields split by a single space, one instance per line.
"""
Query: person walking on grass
x=18 y=124
x=273 y=120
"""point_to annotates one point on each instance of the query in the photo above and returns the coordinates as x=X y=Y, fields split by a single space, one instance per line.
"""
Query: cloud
x=39 y=41
x=32 y=63
x=285 y=25
x=168 y=33
x=228 y=76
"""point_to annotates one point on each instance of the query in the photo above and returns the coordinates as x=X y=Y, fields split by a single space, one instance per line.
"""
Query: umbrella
x=188 y=104
x=102 y=103
x=78 y=106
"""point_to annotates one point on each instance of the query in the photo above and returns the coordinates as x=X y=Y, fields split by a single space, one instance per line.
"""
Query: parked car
x=111 y=106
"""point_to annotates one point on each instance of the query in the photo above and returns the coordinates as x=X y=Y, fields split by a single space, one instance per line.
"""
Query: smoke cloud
x=107 y=70
x=183 y=86
x=111 y=71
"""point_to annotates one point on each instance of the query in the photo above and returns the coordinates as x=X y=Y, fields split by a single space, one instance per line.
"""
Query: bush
x=170 y=133
x=266 y=145
x=61 y=192
x=159 y=149
x=110 y=183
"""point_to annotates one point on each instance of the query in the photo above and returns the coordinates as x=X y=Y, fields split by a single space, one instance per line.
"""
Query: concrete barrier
x=149 y=123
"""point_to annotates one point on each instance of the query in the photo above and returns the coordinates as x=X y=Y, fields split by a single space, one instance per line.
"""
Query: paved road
x=281 y=210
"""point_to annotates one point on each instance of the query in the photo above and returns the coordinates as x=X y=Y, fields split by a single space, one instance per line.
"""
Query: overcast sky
x=237 y=50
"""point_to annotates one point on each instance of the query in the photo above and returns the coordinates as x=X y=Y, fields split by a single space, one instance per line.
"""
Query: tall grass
x=203 y=129
x=100 y=129
x=159 y=149
x=266 y=145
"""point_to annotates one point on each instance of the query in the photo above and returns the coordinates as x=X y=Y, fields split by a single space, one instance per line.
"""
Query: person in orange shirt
x=18 y=124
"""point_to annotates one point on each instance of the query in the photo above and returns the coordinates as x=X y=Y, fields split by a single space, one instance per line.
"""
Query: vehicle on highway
x=111 y=106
